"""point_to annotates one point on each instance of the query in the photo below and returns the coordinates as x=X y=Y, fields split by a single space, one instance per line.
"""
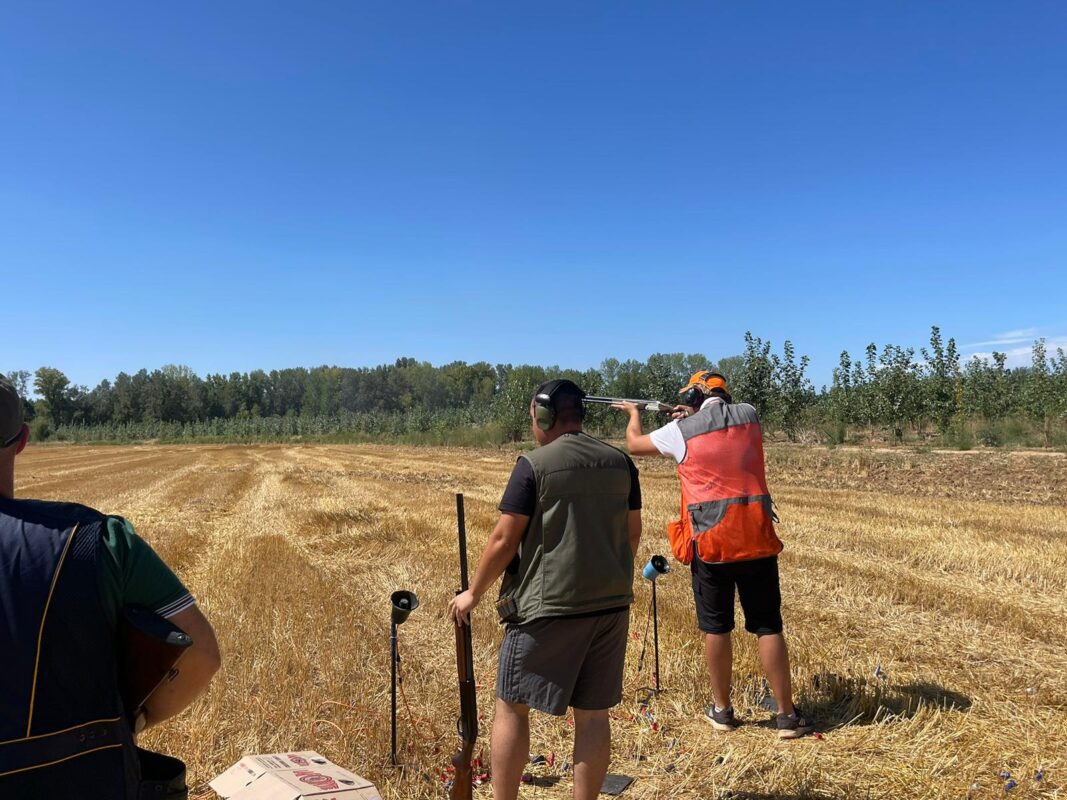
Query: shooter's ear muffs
x=693 y=397
x=544 y=410
x=696 y=394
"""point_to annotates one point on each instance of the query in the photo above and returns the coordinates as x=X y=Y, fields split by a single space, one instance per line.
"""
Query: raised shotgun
x=642 y=405
x=467 y=724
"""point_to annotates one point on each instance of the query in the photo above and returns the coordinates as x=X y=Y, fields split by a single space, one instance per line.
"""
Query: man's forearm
x=634 y=528
x=193 y=672
x=633 y=430
x=495 y=559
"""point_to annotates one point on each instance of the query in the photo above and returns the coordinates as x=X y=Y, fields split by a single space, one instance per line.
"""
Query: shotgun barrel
x=642 y=405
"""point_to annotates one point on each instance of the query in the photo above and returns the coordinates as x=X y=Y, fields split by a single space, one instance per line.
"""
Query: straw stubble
x=924 y=600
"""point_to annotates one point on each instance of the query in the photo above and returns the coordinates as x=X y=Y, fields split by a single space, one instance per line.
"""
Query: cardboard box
x=291 y=776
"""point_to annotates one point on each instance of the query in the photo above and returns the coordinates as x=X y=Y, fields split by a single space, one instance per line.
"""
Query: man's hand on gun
x=681 y=412
x=461 y=606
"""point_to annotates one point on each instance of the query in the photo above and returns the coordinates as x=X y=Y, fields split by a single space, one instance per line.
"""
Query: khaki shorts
x=556 y=662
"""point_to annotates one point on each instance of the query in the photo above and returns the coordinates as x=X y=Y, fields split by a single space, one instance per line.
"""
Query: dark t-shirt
x=520 y=495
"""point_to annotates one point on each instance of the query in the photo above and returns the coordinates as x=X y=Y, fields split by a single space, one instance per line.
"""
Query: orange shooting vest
x=726 y=510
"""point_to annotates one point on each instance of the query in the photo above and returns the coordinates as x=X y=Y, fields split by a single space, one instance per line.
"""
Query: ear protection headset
x=695 y=394
x=545 y=407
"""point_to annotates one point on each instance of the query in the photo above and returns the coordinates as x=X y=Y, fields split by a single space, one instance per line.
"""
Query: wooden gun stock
x=149 y=646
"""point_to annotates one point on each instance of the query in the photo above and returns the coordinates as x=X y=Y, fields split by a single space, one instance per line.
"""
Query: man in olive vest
x=569 y=527
x=66 y=571
x=726 y=534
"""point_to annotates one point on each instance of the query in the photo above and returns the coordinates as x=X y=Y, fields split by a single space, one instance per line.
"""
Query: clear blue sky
x=242 y=185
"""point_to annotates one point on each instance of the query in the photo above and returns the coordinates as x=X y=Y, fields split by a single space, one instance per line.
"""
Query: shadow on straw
x=546 y=781
x=837 y=700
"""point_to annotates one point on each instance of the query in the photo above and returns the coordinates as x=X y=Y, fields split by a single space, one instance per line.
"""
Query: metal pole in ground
x=655 y=638
x=403 y=603
x=392 y=665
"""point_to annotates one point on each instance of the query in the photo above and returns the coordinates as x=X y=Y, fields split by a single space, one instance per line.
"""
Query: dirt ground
x=924 y=602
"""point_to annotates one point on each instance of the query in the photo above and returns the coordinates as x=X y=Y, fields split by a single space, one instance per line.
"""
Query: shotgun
x=642 y=405
x=467 y=724
x=149 y=647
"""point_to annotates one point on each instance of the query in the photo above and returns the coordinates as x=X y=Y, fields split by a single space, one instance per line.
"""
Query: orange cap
x=705 y=379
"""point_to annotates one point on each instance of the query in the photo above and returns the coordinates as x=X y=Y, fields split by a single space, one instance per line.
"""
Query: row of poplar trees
x=890 y=392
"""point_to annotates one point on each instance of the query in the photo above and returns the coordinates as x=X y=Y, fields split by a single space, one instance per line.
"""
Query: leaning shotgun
x=642 y=405
x=149 y=648
x=467 y=724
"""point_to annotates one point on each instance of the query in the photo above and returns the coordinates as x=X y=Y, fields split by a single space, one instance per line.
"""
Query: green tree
x=20 y=379
x=985 y=388
x=729 y=367
x=897 y=381
x=841 y=401
x=754 y=381
x=54 y=389
x=792 y=391
x=511 y=406
x=943 y=380
x=1040 y=391
x=1059 y=384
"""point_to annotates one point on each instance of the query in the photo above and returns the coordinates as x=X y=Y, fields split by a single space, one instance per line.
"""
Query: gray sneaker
x=793 y=726
x=721 y=719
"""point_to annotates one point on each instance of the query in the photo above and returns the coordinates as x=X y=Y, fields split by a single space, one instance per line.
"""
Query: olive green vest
x=575 y=556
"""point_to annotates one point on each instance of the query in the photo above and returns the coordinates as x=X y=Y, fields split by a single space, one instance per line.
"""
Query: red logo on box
x=300 y=761
x=316 y=779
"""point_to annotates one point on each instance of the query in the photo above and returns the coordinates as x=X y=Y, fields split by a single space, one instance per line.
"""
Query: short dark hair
x=566 y=399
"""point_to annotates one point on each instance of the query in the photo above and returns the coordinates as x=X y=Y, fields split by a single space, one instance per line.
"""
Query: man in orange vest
x=726 y=535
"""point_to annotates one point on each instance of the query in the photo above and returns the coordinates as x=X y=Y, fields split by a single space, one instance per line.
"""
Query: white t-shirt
x=669 y=440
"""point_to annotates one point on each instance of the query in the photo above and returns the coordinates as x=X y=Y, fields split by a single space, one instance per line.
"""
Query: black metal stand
x=655 y=641
x=394 y=658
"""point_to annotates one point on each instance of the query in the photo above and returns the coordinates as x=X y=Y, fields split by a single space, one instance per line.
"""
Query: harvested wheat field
x=925 y=599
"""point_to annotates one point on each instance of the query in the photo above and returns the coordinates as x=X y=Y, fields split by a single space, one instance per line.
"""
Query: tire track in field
x=76 y=478
x=1024 y=548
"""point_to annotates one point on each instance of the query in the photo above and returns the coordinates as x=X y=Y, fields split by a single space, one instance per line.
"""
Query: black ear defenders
x=693 y=397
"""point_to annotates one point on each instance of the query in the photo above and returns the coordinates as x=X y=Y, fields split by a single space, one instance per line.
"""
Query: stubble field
x=925 y=603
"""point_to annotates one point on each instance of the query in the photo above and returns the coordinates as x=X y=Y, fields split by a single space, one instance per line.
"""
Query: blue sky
x=235 y=186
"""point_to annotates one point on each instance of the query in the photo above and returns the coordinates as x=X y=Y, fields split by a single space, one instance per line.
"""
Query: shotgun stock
x=149 y=647
x=467 y=724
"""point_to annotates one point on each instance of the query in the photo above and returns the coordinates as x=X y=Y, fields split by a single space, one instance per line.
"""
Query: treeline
x=888 y=393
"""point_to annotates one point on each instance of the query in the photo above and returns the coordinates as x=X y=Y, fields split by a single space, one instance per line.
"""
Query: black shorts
x=757 y=586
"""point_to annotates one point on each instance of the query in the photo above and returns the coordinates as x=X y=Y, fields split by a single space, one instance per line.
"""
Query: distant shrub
x=40 y=430
x=990 y=436
x=834 y=432
x=962 y=438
